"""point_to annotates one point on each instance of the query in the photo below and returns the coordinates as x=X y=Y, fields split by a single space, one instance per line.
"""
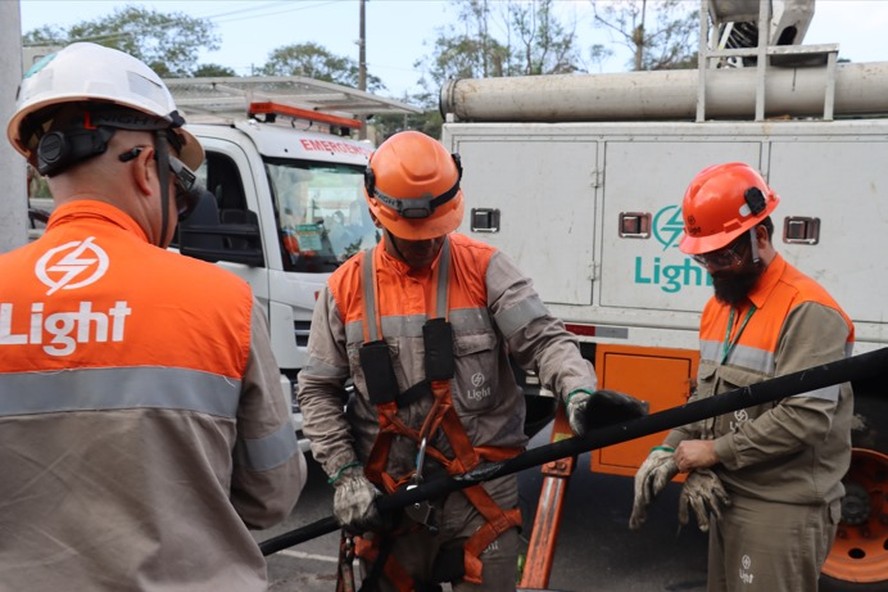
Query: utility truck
x=284 y=208
x=580 y=180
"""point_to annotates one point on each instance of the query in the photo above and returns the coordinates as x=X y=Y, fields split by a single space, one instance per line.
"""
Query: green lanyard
x=728 y=344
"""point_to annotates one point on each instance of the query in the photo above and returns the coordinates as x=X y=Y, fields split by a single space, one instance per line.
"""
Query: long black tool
x=866 y=365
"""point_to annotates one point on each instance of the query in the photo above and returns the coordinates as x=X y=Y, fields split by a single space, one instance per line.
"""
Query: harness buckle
x=421 y=512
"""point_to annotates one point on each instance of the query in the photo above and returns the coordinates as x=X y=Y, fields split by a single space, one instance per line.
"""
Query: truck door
x=543 y=192
x=641 y=267
x=226 y=173
x=840 y=186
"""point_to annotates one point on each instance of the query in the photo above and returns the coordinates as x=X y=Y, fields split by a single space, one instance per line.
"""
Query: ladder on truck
x=229 y=97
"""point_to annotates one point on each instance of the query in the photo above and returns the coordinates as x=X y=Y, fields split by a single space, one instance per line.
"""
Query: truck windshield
x=321 y=212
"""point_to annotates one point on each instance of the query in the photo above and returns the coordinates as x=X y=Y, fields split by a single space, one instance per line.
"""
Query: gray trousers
x=761 y=546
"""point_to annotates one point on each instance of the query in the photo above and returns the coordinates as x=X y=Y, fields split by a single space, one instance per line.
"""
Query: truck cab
x=283 y=209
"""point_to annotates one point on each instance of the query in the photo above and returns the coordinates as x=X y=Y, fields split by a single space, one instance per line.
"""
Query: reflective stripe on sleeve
x=99 y=389
x=828 y=393
x=268 y=452
x=512 y=319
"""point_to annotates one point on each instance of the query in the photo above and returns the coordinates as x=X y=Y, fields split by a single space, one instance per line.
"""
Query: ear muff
x=755 y=199
x=369 y=181
x=58 y=150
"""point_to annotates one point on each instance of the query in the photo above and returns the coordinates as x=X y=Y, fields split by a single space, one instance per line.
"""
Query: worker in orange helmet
x=424 y=323
x=143 y=429
x=765 y=481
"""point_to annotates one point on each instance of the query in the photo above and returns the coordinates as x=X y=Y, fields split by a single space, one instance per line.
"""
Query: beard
x=733 y=287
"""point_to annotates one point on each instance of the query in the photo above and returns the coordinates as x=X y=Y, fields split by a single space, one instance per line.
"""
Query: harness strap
x=370 y=550
x=372 y=320
x=441 y=415
x=497 y=522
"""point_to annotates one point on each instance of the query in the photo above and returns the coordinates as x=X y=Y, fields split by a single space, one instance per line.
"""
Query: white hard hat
x=87 y=72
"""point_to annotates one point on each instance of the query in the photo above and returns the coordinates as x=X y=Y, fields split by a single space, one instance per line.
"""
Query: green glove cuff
x=663 y=448
x=342 y=470
x=575 y=392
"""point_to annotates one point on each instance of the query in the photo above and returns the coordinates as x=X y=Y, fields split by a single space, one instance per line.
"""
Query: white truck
x=288 y=208
x=580 y=180
x=285 y=202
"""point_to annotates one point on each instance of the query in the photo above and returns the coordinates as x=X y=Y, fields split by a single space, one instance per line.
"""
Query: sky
x=401 y=31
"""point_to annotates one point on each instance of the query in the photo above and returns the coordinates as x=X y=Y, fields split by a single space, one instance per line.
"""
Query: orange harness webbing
x=441 y=415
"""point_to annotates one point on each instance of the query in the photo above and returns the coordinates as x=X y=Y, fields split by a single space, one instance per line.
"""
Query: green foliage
x=315 y=61
x=545 y=46
x=669 y=42
x=212 y=71
x=532 y=40
x=429 y=122
x=45 y=35
x=168 y=42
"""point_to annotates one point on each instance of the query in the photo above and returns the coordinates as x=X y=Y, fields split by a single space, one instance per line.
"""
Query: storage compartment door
x=545 y=193
x=663 y=377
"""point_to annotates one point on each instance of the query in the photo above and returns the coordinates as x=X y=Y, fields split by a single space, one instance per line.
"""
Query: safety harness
x=382 y=390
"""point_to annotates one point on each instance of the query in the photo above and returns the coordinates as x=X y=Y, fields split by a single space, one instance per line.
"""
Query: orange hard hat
x=721 y=203
x=412 y=186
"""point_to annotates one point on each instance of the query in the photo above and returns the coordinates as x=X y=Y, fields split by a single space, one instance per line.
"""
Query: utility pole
x=362 y=61
x=13 y=199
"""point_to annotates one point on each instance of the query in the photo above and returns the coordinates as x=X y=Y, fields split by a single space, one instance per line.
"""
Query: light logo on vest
x=67 y=267
x=72 y=265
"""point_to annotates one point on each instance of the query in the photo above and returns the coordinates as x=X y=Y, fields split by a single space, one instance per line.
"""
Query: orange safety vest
x=75 y=299
x=749 y=336
x=443 y=295
x=121 y=365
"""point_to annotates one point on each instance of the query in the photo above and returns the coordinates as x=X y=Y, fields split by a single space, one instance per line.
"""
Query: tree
x=532 y=40
x=546 y=46
x=315 y=61
x=212 y=71
x=168 y=42
x=429 y=121
x=670 y=43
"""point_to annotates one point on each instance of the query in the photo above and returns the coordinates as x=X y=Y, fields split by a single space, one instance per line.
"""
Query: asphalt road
x=596 y=551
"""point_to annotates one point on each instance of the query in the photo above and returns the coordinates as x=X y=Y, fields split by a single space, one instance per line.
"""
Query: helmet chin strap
x=163 y=175
x=753 y=243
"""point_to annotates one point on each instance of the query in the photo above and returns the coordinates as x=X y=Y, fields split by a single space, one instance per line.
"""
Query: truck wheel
x=858 y=560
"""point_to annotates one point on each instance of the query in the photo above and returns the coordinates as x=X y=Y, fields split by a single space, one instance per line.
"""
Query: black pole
x=856 y=367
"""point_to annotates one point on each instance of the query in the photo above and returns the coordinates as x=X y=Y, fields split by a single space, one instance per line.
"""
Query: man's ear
x=143 y=170
x=761 y=236
x=376 y=221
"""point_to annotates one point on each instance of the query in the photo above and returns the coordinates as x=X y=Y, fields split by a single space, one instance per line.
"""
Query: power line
x=294 y=6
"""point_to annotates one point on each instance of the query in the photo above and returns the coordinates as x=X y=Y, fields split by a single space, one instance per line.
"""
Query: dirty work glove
x=354 y=499
x=704 y=493
x=655 y=472
x=587 y=410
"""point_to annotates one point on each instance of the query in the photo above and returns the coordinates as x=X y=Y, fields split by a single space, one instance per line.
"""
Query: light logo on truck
x=671 y=278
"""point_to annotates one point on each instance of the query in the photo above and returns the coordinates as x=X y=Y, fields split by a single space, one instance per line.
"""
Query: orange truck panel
x=661 y=376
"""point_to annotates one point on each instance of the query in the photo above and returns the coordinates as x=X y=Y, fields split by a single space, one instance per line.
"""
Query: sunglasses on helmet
x=184 y=178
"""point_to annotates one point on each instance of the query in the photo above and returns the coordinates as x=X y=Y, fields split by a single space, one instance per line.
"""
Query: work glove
x=655 y=472
x=354 y=501
x=704 y=493
x=587 y=410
